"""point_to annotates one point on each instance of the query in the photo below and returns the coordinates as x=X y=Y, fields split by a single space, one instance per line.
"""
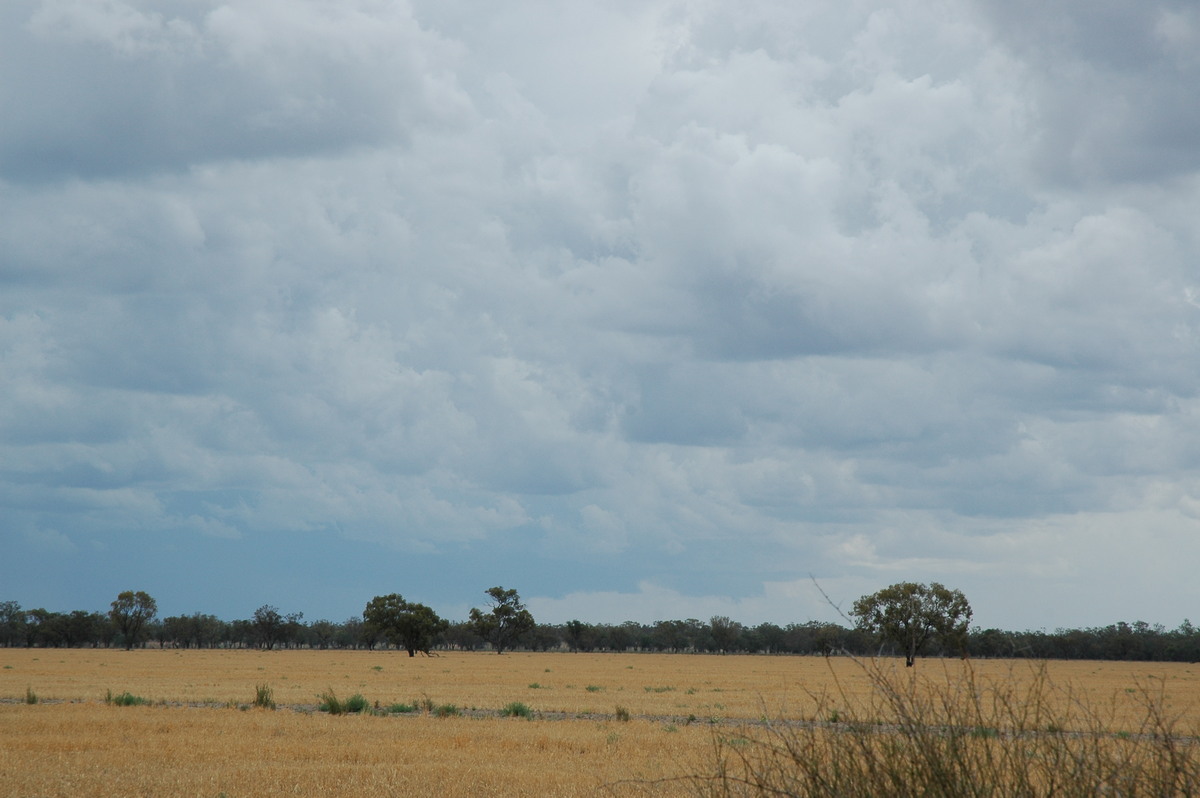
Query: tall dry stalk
x=956 y=736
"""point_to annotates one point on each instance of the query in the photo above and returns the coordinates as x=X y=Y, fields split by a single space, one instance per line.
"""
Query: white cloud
x=647 y=290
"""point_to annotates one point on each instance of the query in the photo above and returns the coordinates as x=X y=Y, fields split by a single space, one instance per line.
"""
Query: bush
x=329 y=702
x=517 y=710
x=125 y=699
x=446 y=711
x=356 y=703
x=30 y=696
x=264 y=696
x=1020 y=737
x=398 y=709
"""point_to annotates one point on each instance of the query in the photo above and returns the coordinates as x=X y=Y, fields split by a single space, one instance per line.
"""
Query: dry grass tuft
x=958 y=735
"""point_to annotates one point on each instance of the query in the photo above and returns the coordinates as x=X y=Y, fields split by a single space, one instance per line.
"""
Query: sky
x=649 y=310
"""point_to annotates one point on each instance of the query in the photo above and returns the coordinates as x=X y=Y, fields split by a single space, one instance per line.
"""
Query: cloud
x=114 y=88
x=51 y=540
x=699 y=298
x=1110 y=84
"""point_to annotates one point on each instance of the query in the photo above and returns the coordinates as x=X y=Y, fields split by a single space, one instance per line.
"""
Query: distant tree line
x=393 y=622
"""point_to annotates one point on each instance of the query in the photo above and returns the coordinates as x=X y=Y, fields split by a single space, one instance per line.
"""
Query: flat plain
x=599 y=722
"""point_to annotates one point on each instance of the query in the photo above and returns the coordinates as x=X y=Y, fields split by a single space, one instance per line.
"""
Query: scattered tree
x=268 y=626
x=910 y=614
x=505 y=622
x=406 y=624
x=130 y=613
x=725 y=632
x=324 y=632
x=12 y=623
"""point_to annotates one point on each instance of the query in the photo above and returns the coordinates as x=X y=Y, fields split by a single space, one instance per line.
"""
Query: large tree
x=911 y=614
x=506 y=620
x=406 y=624
x=130 y=613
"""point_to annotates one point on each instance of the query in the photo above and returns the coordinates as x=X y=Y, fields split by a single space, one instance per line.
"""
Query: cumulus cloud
x=655 y=305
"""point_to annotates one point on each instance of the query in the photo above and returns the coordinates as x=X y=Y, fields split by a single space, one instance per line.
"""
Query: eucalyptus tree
x=130 y=613
x=911 y=614
x=505 y=621
x=406 y=624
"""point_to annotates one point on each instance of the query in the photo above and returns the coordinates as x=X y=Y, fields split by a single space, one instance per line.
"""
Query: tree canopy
x=130 y=613
x=505 y=622
x=911 y=614
x=406 y=624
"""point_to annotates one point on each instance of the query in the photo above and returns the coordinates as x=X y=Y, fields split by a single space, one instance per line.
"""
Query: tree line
x=904 y=619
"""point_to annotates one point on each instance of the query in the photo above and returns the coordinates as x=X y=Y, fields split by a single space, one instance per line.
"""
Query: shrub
x=398 y=709
x=264 y=697
x=329 y=702
x=517 y=710
x=125 y=699
x=446 y=711
x=30 y=696
x=958 y=737
x=621 y=714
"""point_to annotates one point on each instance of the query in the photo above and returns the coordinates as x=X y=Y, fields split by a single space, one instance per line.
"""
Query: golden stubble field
x=198 y=736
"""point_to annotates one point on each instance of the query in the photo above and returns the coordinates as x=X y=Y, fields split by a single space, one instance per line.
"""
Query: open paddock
x=598 y=719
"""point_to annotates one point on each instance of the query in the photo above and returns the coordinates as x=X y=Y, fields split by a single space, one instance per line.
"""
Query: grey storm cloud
x=111 y=89
x=1112 y=84
x=628 y=305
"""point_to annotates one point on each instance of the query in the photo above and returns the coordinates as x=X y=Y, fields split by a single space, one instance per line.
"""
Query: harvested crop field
x=436 y=725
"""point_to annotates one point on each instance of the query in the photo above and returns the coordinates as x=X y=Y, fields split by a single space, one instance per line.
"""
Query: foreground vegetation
x=965 y=737
x=174 y=723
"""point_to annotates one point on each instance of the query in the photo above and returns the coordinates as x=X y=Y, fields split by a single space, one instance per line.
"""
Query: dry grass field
x=597 y=719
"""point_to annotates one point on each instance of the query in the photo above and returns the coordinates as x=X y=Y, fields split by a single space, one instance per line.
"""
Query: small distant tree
x=576 y=634
x=323 y=632
x=353 y=633
x=406 y=624
x=724 y=631
x=506 y=620
x=911 y=614
x=12 y=624
x=79 y=629
x=130 y=613
x=269 y=626
x=294 y=630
